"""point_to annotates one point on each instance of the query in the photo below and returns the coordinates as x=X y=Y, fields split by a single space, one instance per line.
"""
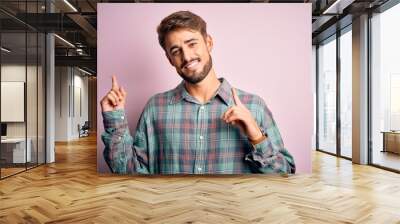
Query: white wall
x=80 y=100
x=61 y=104
x=33 y=127
x=70 y=83
x=15 y=72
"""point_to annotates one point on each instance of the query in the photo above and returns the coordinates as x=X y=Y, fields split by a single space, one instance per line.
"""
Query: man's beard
x=195 y=78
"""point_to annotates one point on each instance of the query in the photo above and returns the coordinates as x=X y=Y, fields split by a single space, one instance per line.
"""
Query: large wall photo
x=262 y=50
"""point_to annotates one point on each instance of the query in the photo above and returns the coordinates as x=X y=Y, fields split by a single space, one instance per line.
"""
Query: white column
x=50 y=91
x=360 y=90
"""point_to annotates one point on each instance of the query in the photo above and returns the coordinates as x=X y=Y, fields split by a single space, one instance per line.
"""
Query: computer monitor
x=3 y=129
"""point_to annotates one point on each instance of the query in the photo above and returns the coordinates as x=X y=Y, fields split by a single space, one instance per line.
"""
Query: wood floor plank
x=71 y=191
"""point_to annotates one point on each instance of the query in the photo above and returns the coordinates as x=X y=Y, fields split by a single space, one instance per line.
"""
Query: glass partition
x=31 y=97
x=14 y=153
x=22 y=77
x=327 y=95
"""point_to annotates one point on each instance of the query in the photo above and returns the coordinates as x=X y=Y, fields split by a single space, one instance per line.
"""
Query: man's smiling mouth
x=192 y=64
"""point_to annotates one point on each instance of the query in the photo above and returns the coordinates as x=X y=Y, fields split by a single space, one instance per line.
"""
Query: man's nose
x=186 y=54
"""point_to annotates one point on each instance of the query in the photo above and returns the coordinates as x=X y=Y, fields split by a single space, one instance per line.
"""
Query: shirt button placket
x=201 y=168
x=199 y=155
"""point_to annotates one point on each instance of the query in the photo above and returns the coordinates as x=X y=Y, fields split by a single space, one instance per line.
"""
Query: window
x=346 y=93
x=327 y=95
x=385 y=88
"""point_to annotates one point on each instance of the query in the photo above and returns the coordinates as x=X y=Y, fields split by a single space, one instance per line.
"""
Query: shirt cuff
x=263 y=146
x=115 y=119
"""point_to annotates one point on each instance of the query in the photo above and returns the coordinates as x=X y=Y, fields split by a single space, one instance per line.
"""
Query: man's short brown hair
x=180 y=20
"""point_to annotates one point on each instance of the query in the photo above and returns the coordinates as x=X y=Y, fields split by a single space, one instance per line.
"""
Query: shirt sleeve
x=270 y=155
x=123 y=153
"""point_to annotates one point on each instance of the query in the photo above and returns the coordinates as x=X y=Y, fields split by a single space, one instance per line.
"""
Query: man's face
x=189 y=53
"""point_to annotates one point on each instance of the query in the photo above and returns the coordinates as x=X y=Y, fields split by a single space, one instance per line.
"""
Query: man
x=202 y=126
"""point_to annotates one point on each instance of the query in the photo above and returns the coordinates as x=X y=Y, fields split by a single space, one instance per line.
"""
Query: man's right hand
x=115 y=99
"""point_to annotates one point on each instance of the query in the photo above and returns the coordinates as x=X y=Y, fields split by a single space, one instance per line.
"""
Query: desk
x=391 y=141
x=15 y=148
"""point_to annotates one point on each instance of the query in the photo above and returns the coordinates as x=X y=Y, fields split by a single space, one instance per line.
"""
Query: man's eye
x=192 y=44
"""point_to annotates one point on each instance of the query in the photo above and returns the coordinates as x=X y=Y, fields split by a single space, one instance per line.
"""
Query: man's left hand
x=239 y=115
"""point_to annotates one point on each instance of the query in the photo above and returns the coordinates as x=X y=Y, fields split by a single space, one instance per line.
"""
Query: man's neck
x=204 y=90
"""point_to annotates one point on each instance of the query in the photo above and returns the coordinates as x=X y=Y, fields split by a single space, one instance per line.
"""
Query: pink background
x=261 y=48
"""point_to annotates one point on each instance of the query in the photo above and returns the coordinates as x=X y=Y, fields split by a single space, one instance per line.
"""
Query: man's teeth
x=191 y=64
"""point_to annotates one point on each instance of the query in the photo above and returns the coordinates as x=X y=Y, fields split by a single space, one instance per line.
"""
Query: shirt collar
x=224 y=92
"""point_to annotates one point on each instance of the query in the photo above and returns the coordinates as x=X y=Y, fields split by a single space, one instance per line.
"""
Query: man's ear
x=209 y=42
x=169 y=59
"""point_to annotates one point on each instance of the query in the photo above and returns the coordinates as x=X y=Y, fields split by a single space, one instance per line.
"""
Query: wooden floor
x=8 y=171
x=5 y=172
x=387 y=159
x=70 y=191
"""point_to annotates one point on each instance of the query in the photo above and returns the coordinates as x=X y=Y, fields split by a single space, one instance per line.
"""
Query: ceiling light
x=70 y=5
x=64 y=40
x=84 y=71
x=337 y=7
x=5 y=50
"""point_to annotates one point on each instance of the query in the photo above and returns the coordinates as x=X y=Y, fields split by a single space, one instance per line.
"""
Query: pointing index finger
x=115 y=85
x=235 y=97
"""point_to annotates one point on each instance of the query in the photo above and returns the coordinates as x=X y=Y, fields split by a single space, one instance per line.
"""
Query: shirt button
x=119 y=138
x=201 y=137
x=202 y=107
x=198 y=168
x=122 y=117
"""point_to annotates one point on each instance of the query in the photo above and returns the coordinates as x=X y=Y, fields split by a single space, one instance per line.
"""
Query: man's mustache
x=187 y=62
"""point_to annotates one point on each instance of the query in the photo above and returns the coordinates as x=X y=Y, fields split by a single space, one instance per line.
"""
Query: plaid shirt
x=178 y=135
